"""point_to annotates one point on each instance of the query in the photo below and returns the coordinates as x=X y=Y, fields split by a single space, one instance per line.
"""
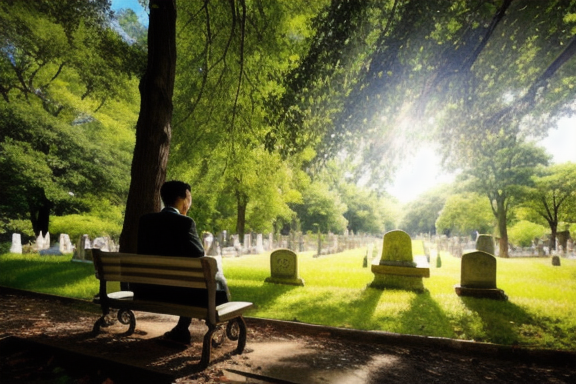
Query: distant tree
x=464 y=213
x=500 y=169
x=553 y=196
x=321 y=207
x=421 y=214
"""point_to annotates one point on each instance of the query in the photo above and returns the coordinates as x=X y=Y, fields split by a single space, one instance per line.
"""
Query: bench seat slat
x=231 y=310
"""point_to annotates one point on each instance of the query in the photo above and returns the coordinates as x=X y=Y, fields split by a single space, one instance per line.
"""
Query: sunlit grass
x=541 y=311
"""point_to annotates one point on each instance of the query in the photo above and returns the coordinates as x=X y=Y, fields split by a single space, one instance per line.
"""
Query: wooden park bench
x=168 y=271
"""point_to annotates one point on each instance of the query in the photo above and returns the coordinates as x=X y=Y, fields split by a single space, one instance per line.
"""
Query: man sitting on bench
x=172 y=233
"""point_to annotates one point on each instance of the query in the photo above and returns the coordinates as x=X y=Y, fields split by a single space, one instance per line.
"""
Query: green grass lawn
x=540 y=312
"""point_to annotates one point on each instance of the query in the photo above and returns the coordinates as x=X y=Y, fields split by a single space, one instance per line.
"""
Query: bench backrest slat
x=150 y=269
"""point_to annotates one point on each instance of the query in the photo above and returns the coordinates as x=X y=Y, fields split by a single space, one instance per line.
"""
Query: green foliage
x=551 y=199
x=61 y=138
x=321 y=207
x=77 y=225
x=421 y=214
x=524 y=232
x=464 y=213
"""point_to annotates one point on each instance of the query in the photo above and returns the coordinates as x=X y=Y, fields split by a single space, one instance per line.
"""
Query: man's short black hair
x=172 y=190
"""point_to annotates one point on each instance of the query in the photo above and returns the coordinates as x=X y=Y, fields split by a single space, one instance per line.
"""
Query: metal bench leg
x=100 y=322
x=242 y=334
x=207 y=346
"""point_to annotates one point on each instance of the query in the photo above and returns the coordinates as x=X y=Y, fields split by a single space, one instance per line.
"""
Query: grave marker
x=478 y=276
x=16 y=246
x=284 y=268
x=485 y=243
x=396 y=268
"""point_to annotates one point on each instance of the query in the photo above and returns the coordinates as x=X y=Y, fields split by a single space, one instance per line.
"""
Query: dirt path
x=276 y=352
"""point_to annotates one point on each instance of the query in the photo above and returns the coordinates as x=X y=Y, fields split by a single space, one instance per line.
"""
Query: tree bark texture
x=153 y=130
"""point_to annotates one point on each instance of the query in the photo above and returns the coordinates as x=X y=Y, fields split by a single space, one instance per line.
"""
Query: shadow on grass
x=501 y=320
x=35 y=276
x=263 y=295
x=319 y=307
x=425 y=317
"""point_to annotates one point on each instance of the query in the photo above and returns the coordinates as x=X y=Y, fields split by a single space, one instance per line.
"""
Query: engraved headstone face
x=478 y=270
x=284 y=268
x=16 y=246
x=284 y=264
x=397 y=249
x=485 y=243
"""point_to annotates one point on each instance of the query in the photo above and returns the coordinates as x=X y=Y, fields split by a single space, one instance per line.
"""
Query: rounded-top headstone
x=485 y=243
x=478 y=270
x=397 y=246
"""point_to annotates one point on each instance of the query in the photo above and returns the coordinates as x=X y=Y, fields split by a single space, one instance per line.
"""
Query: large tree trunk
x=153 y=130
x=39 y=207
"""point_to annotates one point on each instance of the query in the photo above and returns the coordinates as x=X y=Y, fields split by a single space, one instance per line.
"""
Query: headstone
x=214 y=249
x=259 y=247
x=235 y=242
x=397 y=249
x=65 y=244
x=396 y=267
x=47 y=240
x=101 y=243
x=207 y=240
x=39 y=243
x=485 y=243
x=284 y=268
x=478 y=276
x=556 y=260
x=80 y=253
x=16 y=246
x=247 y=245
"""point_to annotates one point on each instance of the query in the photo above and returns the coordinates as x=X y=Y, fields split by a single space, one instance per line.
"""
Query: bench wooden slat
x=167 y=261
x=194 y=273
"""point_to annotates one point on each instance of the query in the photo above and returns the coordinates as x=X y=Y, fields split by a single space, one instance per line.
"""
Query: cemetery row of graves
x=423 y=286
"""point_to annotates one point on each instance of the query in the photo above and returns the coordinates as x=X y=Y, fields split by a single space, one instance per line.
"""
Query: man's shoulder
x=165 y=216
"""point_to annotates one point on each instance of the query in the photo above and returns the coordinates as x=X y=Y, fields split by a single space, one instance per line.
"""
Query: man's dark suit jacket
x=168 y=233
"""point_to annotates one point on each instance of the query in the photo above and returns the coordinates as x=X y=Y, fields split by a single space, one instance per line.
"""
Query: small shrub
x=523 y=232
x=78 y=225
x=5 y=247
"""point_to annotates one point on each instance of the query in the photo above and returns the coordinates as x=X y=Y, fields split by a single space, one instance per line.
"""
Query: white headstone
x=39 y=243
x=16 y=243
x=47 y=240
x=65 y=244
x=259 y=246
x=101 y=243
